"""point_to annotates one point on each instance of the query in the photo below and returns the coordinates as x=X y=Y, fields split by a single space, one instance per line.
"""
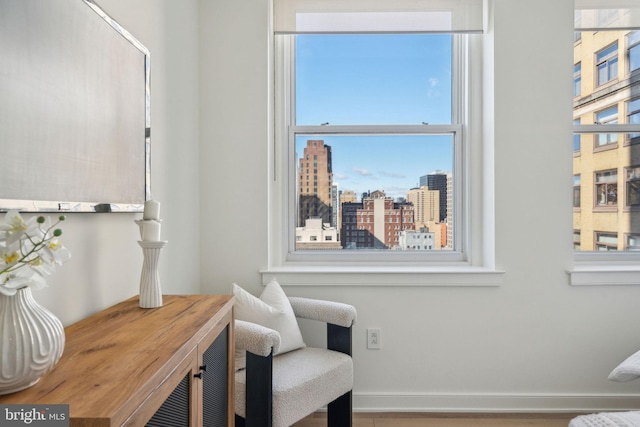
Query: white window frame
x=472 y=264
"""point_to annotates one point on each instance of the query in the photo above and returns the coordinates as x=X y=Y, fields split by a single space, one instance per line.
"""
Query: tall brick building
x=315 y=182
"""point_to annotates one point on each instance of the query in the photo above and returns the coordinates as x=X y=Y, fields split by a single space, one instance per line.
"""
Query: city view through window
x=606 y=165
x=358 y=189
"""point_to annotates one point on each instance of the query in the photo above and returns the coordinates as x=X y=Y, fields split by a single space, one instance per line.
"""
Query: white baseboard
x=492 y=403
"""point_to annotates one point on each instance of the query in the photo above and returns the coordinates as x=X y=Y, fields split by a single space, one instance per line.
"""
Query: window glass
x=633 y=41
x=607 y=64
x=376 y=115
x=606 y=242
x=576 y=138
x=607 y=188
x=577 y=79
x=633 y=108
x=607 y=117
x=373 y=79
x=633 y=242
x=387 y=184
x=633 y=186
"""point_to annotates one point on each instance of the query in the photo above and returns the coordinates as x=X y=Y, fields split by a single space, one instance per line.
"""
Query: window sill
x=605 y=275
x=383 y=276
x=606 y=147
x=605 y=208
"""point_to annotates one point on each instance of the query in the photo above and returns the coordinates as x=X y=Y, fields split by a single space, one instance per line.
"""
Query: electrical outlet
x=373 y=338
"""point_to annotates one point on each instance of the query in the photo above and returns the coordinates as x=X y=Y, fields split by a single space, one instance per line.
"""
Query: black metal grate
x=174 y=412
x=215 y=380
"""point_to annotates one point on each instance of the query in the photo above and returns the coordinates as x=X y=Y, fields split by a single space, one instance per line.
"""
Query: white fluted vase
x=31 y=341
x=150 y=290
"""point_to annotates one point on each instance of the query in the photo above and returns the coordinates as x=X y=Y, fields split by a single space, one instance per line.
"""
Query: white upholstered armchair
x=282 y=389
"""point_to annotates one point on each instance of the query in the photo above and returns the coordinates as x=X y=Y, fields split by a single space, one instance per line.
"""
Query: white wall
x=106 y=259
x=534 y=343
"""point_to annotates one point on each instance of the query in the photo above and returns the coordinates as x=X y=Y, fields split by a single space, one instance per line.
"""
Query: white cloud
x=433 y=91
x=393 y=175
x=362 y=172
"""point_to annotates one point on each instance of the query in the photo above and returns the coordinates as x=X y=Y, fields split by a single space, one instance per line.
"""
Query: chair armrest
x=255 y=338
x=335 y=313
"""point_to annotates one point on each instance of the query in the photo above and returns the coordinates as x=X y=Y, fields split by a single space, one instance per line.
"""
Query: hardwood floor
x=445 y=420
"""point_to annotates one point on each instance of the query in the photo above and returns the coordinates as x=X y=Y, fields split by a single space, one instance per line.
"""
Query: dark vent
x=215 y=393
x=174 y=412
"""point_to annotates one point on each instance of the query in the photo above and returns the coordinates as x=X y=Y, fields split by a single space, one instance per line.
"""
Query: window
x=576 y=139
x=606 y=117
x=632 y=175
x=632 y=242
x=577 y=79
x=374 y=125
x=576 y=191
x=380 y=111
x=607 y=188
x=603 y=106
x=607 y=64
x=607 y=110
x=633 y=118
x=633 y=49
x=606 y=242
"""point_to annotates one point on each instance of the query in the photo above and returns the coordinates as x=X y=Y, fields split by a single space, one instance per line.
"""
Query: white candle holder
x=142 y=222
x=150 y=292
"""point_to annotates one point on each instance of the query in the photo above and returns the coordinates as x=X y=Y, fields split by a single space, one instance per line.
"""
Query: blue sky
x=382 y=79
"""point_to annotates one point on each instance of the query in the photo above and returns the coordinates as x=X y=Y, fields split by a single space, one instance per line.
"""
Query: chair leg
x=340 y=411
x=259 y=390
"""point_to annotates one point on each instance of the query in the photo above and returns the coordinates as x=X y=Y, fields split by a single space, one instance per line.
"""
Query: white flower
x=29 y=250
x=15 y=227
x=54 y=252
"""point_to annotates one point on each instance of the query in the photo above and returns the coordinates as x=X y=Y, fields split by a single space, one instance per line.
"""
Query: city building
x=606 y=166
x=346 y=196
x=375 y=223
x=426 y=205
x=439 y=230
x=317 y=235
x=335 y=206
x=442 y=182
x=411 y=240
x=315 y=183
x=438 y=180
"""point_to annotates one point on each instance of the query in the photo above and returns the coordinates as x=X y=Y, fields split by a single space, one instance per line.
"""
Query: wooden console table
x=128 y=366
